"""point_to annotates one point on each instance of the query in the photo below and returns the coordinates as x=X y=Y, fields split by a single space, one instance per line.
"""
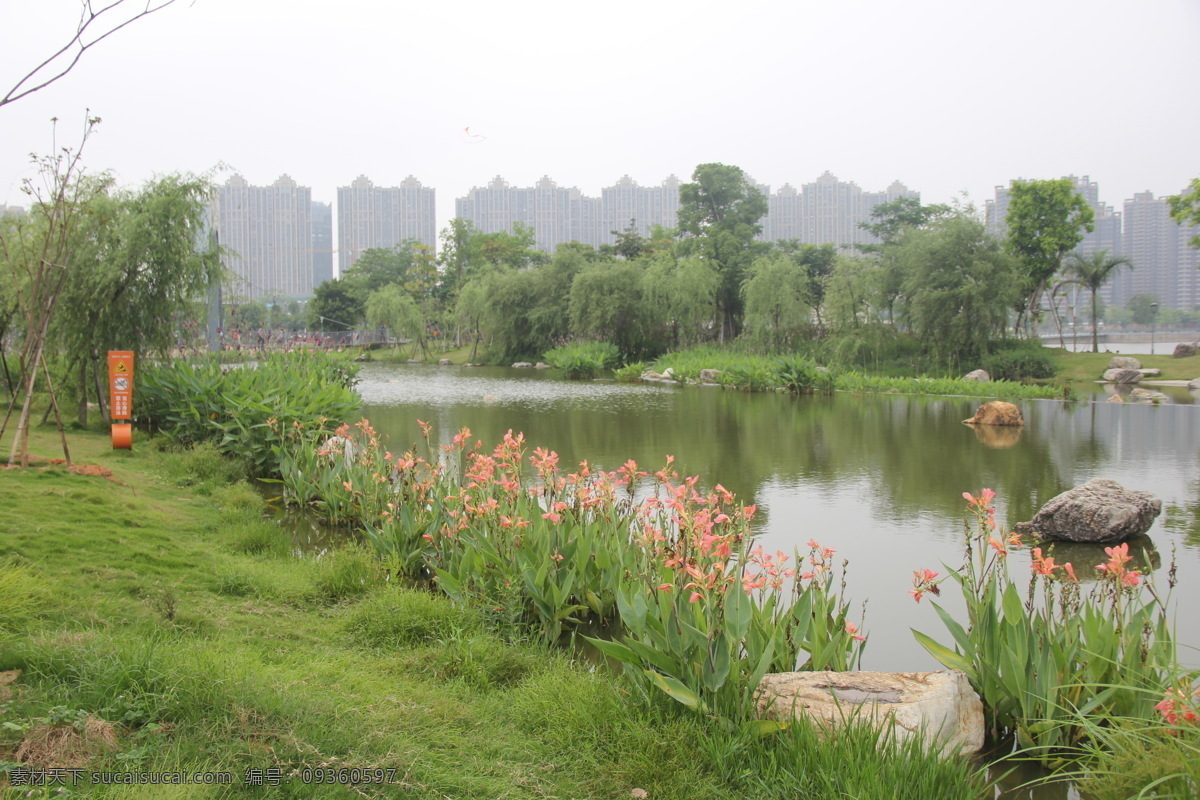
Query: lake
x=877 y=477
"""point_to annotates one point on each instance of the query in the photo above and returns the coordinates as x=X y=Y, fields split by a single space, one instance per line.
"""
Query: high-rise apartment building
x=644 y=206
x=322 y=243
x=826 y=211
x=556 y=214
x=1163 y=263
x=267 y=234
x=371 y=216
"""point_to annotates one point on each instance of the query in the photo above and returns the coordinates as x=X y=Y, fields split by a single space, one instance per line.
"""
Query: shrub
x=245 y=410
x=584 y=360
x=1019 y=359
x=802 y=376
x=630 y=373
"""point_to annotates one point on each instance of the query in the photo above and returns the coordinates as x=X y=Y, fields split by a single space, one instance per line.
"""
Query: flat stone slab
x=938 y=707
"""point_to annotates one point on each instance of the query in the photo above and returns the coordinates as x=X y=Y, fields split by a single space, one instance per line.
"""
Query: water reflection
x=879 y=477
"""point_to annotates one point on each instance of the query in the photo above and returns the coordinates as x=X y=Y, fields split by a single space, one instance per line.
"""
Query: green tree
x=141 y=270
x=1185 y=208
x=1046 y=220
x=1143 y=308
x=683 y=294
x=719 y=214
x=853 y=292
x=891 y=219
x=630 y=244
x=336 y=306
x=776 y=297
x=393 y=307
x=1093 y=271
x=459 y=252
x=377 y=267
x=607 y=304
x=959 y=284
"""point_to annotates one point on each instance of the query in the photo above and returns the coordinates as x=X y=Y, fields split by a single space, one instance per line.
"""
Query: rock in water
x=1124 y=362
x=978 y=375
x=1117 y=375
x=1100 y=511
x=997 y=413
x=939 y=707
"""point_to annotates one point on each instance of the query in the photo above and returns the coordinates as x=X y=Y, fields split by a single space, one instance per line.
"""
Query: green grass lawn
x=1091 y=366
x=153 y=621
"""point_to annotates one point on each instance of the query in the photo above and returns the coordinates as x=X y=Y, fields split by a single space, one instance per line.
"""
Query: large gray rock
x=938 y=707
x=523 y=365
x=1119 y=375
x=1124 y=362
x=1100 y=511
x=978 y=375
x=1185 y=350
x=709 y=375
x=445 y=362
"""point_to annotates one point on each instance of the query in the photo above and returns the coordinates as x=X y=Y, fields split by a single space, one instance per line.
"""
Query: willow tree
x=719 y=219
x=959 y=283
x=37 y=250
x=141 y=267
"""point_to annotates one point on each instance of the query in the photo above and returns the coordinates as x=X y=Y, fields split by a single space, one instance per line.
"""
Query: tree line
x=937 y=284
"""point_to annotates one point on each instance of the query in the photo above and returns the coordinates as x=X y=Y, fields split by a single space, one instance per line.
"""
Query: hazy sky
x=944 y=95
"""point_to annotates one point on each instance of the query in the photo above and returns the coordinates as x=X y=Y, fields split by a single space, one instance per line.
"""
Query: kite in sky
x=473 y=138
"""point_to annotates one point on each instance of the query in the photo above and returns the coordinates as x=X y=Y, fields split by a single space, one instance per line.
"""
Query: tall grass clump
x=1046 y=655
x=584 y=360
x=243 y=410
x=1122 y=757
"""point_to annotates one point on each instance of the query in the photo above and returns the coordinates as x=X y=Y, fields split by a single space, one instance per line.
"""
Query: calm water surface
x=877 y=477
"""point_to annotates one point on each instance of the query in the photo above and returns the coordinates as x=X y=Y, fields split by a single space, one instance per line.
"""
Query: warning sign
x=120 y=384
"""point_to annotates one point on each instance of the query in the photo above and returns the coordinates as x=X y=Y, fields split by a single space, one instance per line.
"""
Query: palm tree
x=1093 y=271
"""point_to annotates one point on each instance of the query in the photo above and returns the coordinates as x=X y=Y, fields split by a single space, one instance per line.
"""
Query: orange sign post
x=120 y=397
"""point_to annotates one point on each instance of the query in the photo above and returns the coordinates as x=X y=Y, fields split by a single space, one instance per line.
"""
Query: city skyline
x=826 y=210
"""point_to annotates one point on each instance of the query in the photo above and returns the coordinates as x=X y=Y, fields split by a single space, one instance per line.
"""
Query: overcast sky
x=946 y=96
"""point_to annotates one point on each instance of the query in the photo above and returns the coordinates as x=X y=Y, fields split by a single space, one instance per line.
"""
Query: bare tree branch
x=77 y=45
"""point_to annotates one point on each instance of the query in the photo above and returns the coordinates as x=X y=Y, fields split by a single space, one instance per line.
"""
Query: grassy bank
x=1084 y=367
x=750 y=372
x=158 y=623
